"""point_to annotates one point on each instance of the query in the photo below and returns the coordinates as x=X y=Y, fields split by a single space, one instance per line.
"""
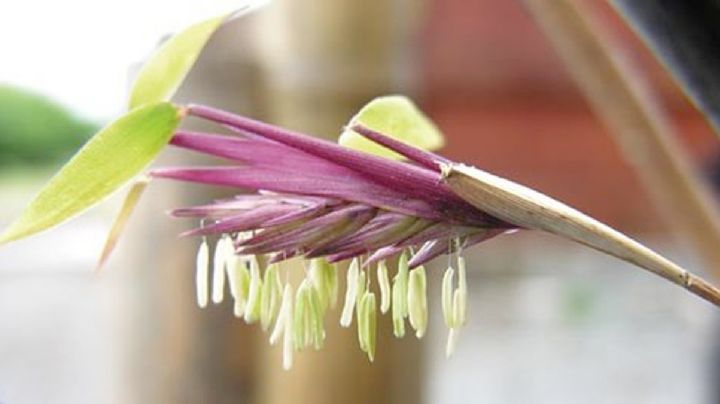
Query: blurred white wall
x=552 y=322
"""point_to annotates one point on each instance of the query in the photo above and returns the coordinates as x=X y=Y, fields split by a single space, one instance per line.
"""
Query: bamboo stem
x=618 y=94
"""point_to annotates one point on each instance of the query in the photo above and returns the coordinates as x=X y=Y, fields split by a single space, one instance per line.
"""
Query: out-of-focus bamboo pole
x=178 y=353
x=619 y=94
x=322 y=60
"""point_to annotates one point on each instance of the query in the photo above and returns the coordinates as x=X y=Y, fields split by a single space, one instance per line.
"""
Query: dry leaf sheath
x=530 y=209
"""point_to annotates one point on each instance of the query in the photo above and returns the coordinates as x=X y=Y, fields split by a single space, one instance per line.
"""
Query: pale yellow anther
x=451 y=341
x=384 y=284
x=319 y=281
x=286 y=308
x=232 y=274
x=398 y=301
x=332 y=281
x=324 y=277
x=362 y=285
x=368 y=331
x=223 y=249
x=350 y=293
x=417 y=301
x=288 y=337
x=300 y=319
x=447 y=297
x=319 y=290
x=458 y=307
x=252 y=309
x=317 y=314
x=402 y=281
x=201 y=274
x=270 y=296
x=239 y=279
x=461 y=295
x=361 y=323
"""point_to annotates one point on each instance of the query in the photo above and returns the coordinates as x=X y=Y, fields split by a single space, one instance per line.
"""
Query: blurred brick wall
x=506 y=104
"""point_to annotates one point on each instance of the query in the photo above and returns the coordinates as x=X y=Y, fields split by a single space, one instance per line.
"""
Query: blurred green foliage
x=36 y=131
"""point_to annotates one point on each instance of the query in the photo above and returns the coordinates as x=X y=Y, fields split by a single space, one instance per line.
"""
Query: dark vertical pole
x=685 y=35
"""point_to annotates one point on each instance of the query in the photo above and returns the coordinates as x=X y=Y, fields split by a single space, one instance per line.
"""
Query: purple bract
x=315 y=198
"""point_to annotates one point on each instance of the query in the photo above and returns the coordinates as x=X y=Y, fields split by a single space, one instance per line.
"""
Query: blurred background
x=550 y=322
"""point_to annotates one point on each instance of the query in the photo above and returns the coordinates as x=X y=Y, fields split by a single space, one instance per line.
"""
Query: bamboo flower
x=316 y=199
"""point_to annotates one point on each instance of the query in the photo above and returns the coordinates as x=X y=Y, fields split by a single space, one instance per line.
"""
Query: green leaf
x=162 y=75
x=111 y=158
x=395 y=116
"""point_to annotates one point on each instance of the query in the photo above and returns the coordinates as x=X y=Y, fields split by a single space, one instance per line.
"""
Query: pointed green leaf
x=111 y=158
x=163 y=73
x=395 y=116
